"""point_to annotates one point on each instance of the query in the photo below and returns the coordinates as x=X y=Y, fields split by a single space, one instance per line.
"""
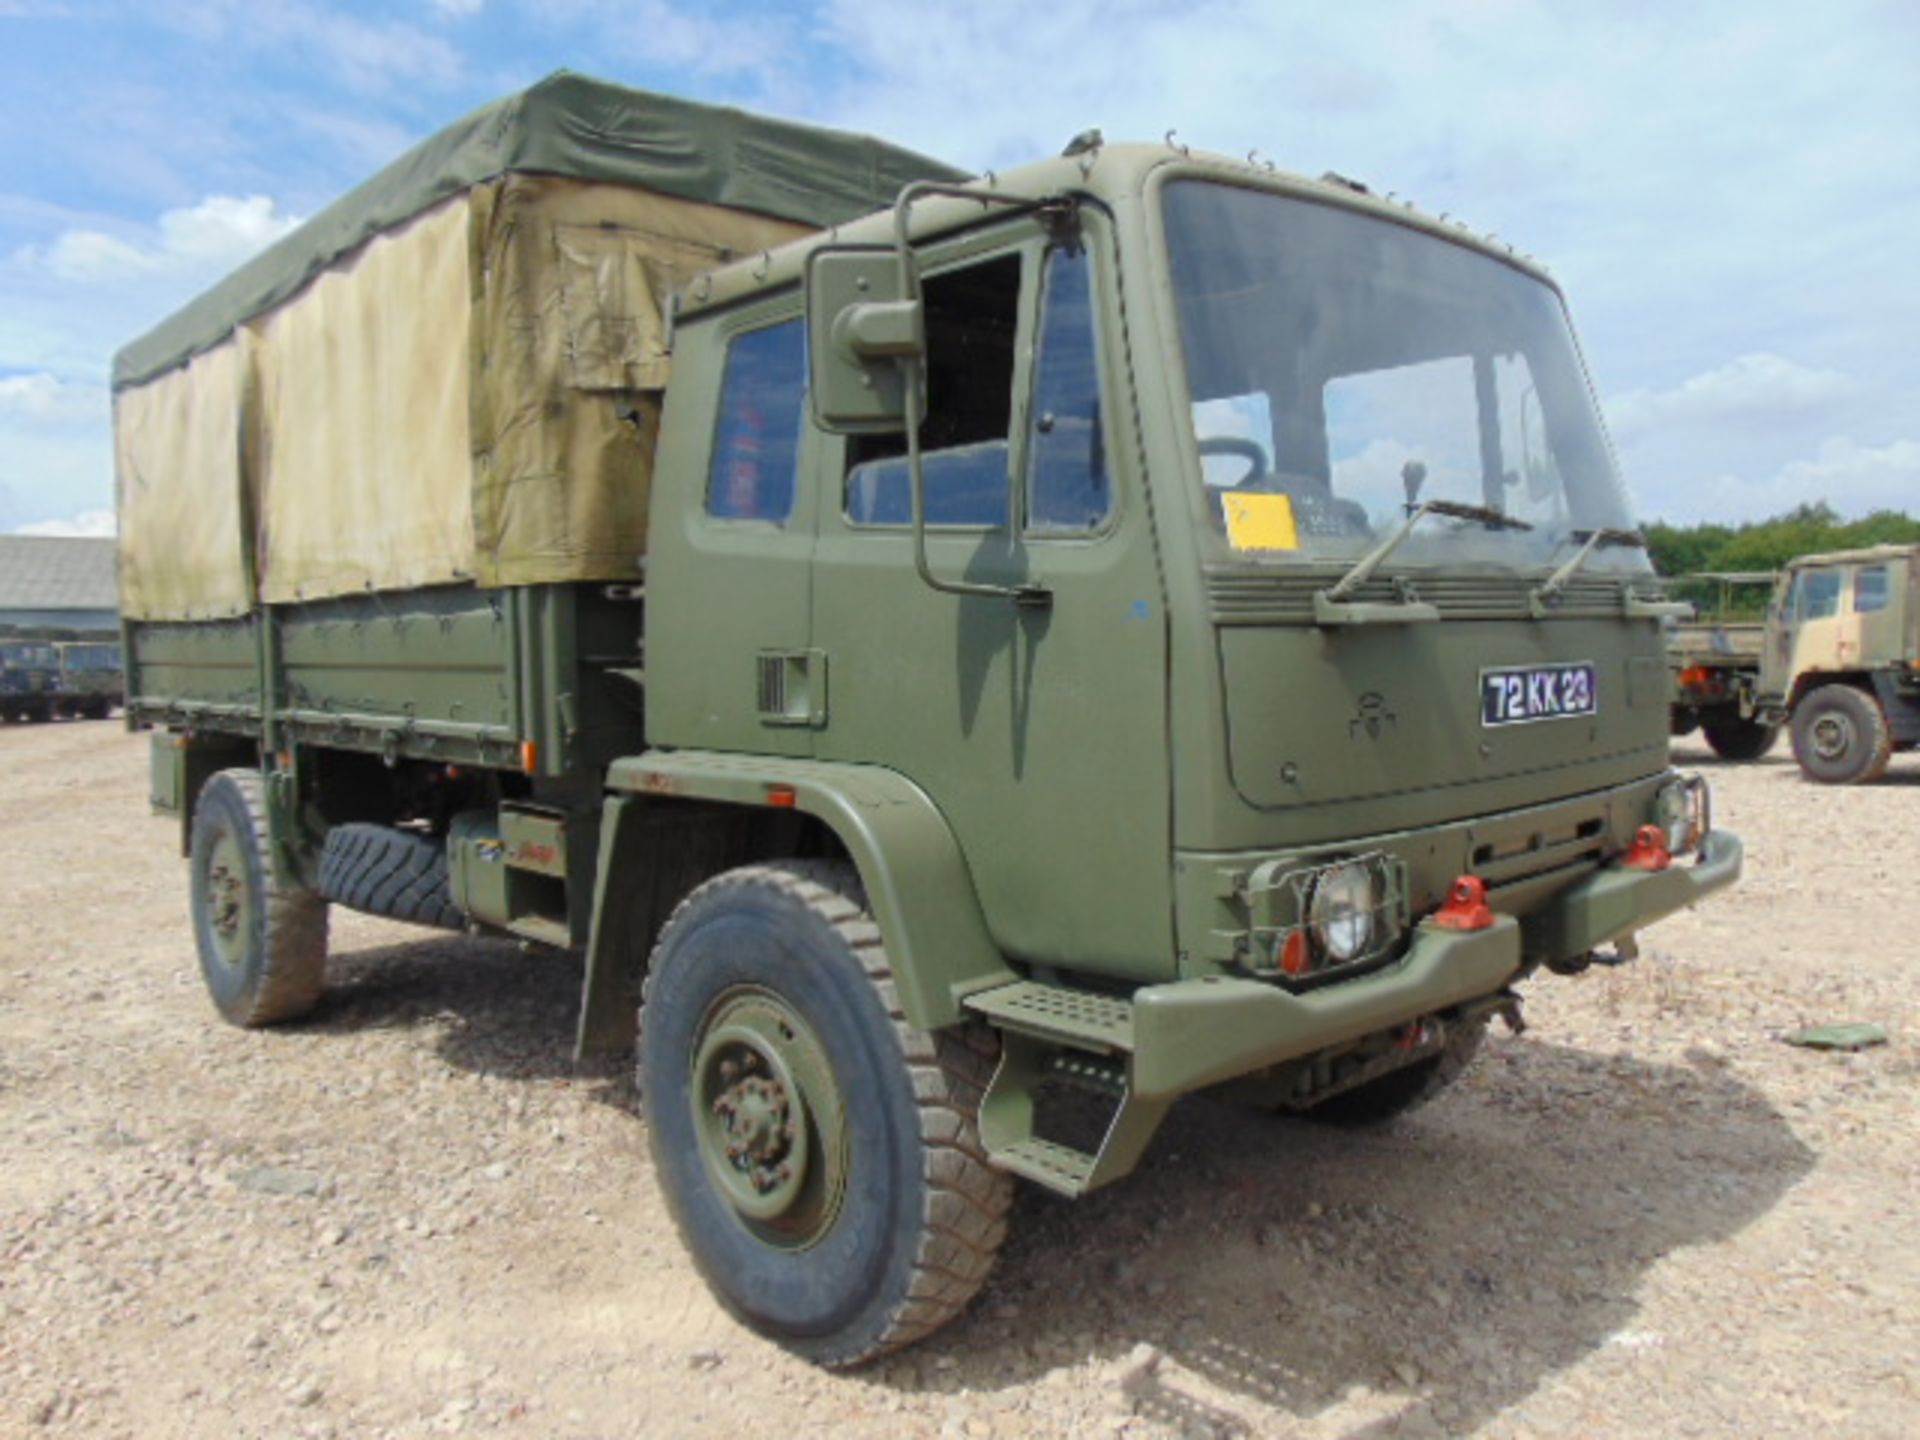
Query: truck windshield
x=1344 y=368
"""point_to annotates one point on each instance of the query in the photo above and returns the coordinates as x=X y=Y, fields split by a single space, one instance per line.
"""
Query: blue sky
x=1730 y=192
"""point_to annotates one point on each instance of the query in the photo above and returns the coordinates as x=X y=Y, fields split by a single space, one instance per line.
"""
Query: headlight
x=1682 y=811
x=1342 y=909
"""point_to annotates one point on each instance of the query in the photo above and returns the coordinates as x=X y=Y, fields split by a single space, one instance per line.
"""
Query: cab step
x=1053 y=1034
x=1084 y=1019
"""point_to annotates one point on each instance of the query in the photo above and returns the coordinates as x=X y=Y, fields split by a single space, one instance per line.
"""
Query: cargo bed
x=455 y=674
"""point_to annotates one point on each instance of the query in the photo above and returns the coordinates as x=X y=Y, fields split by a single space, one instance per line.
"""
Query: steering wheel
x=1238 y=445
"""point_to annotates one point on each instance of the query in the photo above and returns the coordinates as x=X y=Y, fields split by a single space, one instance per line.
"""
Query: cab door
x=1808 y=640
x=731 y=560
x=1039 y=730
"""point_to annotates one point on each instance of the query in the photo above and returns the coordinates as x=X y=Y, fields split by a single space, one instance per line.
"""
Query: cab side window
x=971 y=318
x=1067 y=487
x=1819 y=594
x=756 y=448
x=1869 y=589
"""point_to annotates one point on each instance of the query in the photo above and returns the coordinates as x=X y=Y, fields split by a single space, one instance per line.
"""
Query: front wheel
x=1733 y=738
x=1840 y=736
x=820 y=1156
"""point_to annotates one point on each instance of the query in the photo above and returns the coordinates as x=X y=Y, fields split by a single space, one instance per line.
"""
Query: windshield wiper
x=1331 y=606
x=1546 y=593
x=1543 y=596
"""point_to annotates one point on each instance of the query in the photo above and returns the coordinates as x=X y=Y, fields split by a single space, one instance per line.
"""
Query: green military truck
x=90 y=680
x=29 y=678
x=1714 y=661
x=1840 y=664
x=964 y=677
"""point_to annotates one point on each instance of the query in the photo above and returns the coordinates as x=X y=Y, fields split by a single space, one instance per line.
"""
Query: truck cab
x=1196 y=411
x=1266 y=575
x=29 y=679
x=1841 y=663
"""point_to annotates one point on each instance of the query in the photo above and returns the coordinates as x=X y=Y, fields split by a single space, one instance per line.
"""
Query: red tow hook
x=1648 y=851
x=1466 y=907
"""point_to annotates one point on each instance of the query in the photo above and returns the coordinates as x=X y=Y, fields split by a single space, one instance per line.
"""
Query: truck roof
x=1111 y=174
x=569 y=125
x=1854 y=557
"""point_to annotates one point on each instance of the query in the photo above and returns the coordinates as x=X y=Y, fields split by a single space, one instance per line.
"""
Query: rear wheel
x=1733 y=738
x=263 y=946
x=820 y=1155
x=1840 y=736
x=1407 y=1088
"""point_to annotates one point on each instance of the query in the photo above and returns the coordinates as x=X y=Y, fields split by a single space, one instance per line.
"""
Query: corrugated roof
x=48 y=572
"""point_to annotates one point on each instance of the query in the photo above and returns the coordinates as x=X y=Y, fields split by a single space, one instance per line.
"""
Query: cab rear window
x=1870 y=589
x=756 y=450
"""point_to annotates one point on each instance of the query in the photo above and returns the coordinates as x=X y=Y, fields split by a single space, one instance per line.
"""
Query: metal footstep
x=1050 y=1034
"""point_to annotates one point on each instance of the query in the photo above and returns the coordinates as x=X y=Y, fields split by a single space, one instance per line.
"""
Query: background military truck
x=29 y=677
x=1841 y=661
x=1138 y=624
x=90 y=680
x=1714 y=659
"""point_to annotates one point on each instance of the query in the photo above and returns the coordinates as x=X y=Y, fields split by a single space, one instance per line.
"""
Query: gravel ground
x=411 y=1215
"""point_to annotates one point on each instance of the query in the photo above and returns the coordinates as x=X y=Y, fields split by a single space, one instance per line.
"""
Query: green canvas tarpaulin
x=568 y=125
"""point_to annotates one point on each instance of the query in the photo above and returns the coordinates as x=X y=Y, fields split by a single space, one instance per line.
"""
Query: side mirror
x=861 y=326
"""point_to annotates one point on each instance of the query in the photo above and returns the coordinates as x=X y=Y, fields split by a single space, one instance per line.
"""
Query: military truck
x=29 y=678
x=90 y=683
x=1714 y=660
x=1841 y=660
x=964 y=677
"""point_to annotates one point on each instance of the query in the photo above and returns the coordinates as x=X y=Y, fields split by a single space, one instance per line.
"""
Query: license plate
x=1536 y=692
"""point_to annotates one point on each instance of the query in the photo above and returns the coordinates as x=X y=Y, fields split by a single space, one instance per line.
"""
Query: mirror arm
x=1019 y=594
x=1036 y=596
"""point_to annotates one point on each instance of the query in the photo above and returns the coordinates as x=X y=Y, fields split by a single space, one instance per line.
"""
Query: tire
x=1682 y=720
x=1840 y=736
x=383 y=871
x=1733 y=738
x=880 y=1216
x=263 y=947
x=1400 y=1091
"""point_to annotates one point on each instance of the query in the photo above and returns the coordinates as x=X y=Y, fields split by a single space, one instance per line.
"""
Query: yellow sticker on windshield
x=1260 y=522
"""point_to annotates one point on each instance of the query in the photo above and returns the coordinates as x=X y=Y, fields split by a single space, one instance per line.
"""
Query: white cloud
x=673 y=36
x=1854 y=479
x=458 y=9
x=93 y=523
x=219 y=232
x=45 y=398
x=1858 y=477
x=93 y=255
x=1757 y=387
x=224 y=228
x=370 y=55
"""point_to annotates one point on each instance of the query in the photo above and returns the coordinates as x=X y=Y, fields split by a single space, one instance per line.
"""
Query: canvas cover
x=455 y=372
x=184 y=552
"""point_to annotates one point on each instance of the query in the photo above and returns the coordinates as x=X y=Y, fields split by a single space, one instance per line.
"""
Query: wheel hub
x=1832 y=736
x=229 y=914
x=758 y=1114
x=768 y=1116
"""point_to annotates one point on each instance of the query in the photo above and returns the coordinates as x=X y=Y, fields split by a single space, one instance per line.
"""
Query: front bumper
x=1193 y=1033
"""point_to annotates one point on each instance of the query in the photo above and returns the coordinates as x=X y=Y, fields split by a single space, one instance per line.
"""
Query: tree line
x=1770 y=544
